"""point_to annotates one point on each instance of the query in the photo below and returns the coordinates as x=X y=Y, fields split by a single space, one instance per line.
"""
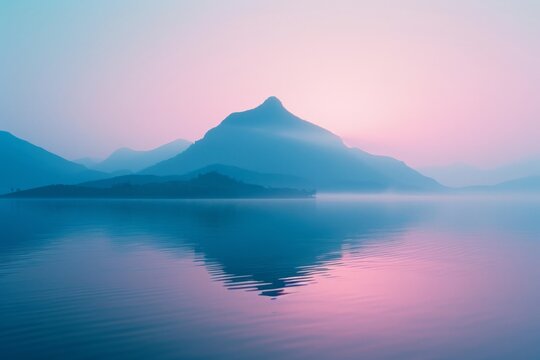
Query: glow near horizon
x=428 y=82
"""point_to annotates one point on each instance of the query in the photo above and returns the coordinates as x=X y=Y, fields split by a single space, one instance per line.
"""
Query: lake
x=338 y=277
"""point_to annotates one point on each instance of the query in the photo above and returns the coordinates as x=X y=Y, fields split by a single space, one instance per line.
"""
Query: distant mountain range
x=209 y=185
x=266 y=146
x=522 y=185
x=462 y=175
x=271 y=140
x=131 y=161
x=24 y=165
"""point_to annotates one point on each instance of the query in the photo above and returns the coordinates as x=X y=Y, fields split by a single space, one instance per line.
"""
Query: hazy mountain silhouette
x=209 y=185
x=460 y=175
x=269 y=139
x=126 y=159
x=530 y=183
x=522 y=185
x=25 y=165
x=246 y=176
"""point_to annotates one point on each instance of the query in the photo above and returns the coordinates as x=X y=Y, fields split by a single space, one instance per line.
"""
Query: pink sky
x=429 y=82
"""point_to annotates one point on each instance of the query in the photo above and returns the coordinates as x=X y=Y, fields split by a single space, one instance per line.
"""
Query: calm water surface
x=332 y=278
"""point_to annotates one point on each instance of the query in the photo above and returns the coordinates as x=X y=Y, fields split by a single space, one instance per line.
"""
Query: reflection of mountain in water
x=265 y=246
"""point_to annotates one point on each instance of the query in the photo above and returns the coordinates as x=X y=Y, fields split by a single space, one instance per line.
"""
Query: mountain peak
x=273 y=102
x=273 y=119
x=270 y=113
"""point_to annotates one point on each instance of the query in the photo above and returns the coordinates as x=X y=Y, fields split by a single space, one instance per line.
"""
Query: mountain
x=129 y=160
x=460 y=175
x=24 y=165
x=530 y=183
x=271 y=140
x=522 y=185
x=246 y=176
x=210 y=185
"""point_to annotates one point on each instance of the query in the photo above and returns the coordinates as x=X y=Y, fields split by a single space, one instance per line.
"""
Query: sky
x=430 y=82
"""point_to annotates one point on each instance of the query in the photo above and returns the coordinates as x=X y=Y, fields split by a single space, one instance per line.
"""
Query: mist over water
x=340 y=276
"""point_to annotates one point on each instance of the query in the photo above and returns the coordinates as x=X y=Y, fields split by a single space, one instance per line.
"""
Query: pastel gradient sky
x=429 y=82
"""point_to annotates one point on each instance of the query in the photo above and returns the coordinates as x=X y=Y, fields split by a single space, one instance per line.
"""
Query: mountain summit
x=270 y=112
x=269 y=139
x=272 y=101
x=272 y=118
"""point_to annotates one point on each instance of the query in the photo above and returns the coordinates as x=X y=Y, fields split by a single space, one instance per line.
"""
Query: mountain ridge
x=270 y=139
x=128 y=160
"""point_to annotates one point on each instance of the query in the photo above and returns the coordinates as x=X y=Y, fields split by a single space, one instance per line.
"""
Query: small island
x=211 y=185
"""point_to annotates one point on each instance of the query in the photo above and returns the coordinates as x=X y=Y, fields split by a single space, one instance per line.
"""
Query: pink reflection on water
x=418 y=294
x=431 y=288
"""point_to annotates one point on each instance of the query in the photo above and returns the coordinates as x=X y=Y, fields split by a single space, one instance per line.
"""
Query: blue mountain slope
x=269 y=139
x=25 y=165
